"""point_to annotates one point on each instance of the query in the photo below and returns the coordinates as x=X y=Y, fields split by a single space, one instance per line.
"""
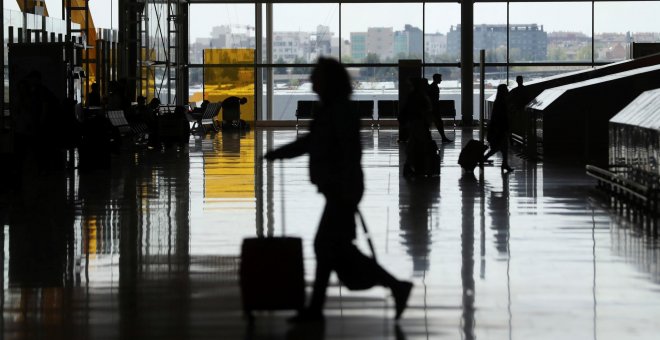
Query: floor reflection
x=149 y=248
x=418 y=197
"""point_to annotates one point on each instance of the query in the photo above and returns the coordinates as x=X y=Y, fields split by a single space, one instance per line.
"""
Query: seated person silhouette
x=198 y=113
x=231 y=112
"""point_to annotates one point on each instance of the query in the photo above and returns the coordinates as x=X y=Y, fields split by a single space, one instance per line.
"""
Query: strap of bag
x=282 y=197
x=366 y=234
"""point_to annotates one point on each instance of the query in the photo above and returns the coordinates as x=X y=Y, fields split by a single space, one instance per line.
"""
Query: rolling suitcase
x=471 y=155
x=272 y=273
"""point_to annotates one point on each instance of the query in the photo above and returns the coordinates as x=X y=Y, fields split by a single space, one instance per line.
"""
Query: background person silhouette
x=518 y=98
x=498 y=128
x=421 y=151
x=335 y=152
x=433 y=90
x=231 y=112
x=94 y=96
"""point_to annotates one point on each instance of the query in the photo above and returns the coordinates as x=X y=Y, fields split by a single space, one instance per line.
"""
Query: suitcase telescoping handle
x=366 y=234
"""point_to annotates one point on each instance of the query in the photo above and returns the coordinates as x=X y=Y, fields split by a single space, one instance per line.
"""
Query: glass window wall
x=304 y=32
x=439 y=20
x=490 y=31
x=563 y=29
x=617 y=24
x=388 y=33
x=220 y=26
x=520 y=33
x=221 y=36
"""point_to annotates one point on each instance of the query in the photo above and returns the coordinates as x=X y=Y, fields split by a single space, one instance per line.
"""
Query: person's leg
x=324 y=244
x=440 y=125
x=400 y=289
x=320 y=287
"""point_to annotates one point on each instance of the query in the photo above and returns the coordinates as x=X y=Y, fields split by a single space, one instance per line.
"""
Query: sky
x=637 y=16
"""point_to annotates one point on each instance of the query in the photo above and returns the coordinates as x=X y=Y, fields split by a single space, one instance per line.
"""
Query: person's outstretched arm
x=294 y=149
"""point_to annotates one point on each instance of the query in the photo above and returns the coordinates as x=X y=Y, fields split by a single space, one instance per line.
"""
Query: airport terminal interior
x=133 y=138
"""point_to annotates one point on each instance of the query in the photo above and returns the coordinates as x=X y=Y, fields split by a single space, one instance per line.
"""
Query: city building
x=358 y=46
x=435 y=44
x=380 y=42
x=408 y=43
x=529 y=41
x=291 y=47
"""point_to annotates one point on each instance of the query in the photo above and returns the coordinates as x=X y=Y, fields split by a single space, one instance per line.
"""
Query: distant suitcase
x=272 y=274
x=471 y=155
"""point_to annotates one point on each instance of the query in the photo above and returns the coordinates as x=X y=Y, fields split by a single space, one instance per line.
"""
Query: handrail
x=611 y=178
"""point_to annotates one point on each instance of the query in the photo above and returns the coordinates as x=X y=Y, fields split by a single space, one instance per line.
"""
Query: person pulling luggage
x=335 y=153
x=498 y=128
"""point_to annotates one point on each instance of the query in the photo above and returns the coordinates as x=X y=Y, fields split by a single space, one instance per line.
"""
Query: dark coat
x=498 y=127
x=335 y=152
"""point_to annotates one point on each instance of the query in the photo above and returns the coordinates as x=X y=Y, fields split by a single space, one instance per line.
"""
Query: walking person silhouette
x=498 y=128
x=335 y=153
x=433 y=90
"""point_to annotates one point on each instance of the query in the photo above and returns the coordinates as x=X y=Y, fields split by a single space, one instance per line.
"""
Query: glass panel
x=451 y=76
x=567 y=26
x=155 y=55
x=441 y=18
x=264 y=38
x=390 y=32
x=195 y=89
x=535 y=73
x=104 y=13
x=489 y=32
x=220 y=26
x=303 y=32
x=55 y=8
x=616 y=24
x=221 y=83
x=291 y=85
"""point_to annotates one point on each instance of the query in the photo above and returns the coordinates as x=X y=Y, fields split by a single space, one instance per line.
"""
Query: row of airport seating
x=168 y=124
x=207 y=119
x=387 y=110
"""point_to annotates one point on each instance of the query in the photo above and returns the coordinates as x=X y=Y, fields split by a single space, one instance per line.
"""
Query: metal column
x=467 y=60
x=182 y=59
x=129 y=12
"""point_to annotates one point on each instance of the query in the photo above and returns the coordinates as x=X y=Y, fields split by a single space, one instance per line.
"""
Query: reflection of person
x=335 y=152
x=498 y=128
x=417 y=199
x=434 y=95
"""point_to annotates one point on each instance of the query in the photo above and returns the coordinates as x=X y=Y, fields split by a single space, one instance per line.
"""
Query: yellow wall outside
x=223 y=82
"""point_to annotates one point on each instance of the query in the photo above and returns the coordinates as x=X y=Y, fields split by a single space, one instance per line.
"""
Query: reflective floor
x=148 y=248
